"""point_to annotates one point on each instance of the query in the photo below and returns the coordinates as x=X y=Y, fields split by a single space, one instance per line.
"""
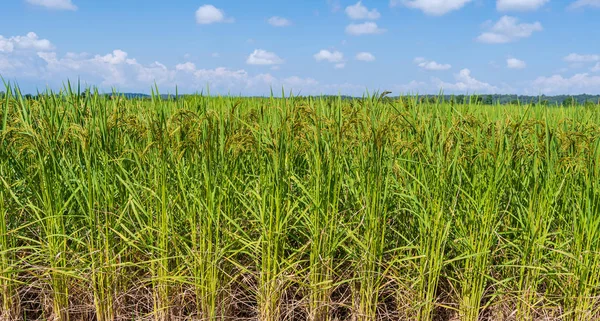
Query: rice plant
x=202 y=207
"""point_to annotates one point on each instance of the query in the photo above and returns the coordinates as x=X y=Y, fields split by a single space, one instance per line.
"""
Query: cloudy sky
x=309 y=46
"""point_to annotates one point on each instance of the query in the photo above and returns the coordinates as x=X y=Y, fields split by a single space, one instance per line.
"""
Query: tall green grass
x=292 y=208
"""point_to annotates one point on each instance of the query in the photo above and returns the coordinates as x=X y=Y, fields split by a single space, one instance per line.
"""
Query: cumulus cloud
x=263 y=57
x=334 y=57
x=508 y=29
x=359 y=12
x=208 y=14
x=221 y=75
x=578 y=58
x=330 y=56
x=432 y=7
x=54 y=4
x=118 y=69
x=431 y=65
x=464 y=82
x=116 y=57
x=519 y=5
x=365 y=56
x=188 y=67
x=576 y=84
x=6 y=45
x=279 y=22
x=596 y=68
x=31 y=41
x=366 y=28
x=111 y=69
x=514 y=63
x=585 y=3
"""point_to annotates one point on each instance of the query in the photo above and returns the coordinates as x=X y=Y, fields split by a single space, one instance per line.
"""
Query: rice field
x=296 y=208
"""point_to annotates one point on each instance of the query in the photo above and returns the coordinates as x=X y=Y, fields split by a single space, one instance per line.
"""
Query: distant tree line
x=559 y=100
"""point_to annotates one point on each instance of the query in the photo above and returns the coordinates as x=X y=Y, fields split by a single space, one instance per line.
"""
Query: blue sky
x=312 y=46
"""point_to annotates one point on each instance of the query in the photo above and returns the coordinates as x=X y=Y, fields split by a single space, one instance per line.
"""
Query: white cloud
x=508 y=29
x=113 y=69
x=514 y=63
x=585 y=3
x=77 y=55
x=359 y=12
x=117 y=69
x=188 y=66
x=577 y=58
x=224 y=79
x=366 y=28
x=279 y=22
x=54 y=4
x=6 y=45
x=463 y=83
x=220 y=74
x=519 y=5
x=153 y=72
x=596 y=68
x=557 y=84
x=215 y=55
x=466 y=83
x=208 y=14
x=431 y=65
x=71 y=62
x=333 y=57
x=31 y=41
x=116 y=57
x=432 y=7
x=263 y=57
x=365 y=56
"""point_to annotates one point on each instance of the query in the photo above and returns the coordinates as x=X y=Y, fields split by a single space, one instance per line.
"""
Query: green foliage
x=590 y=104
x=319 y=208
x=476 y=99
x=488 y=100
x=569 y=102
